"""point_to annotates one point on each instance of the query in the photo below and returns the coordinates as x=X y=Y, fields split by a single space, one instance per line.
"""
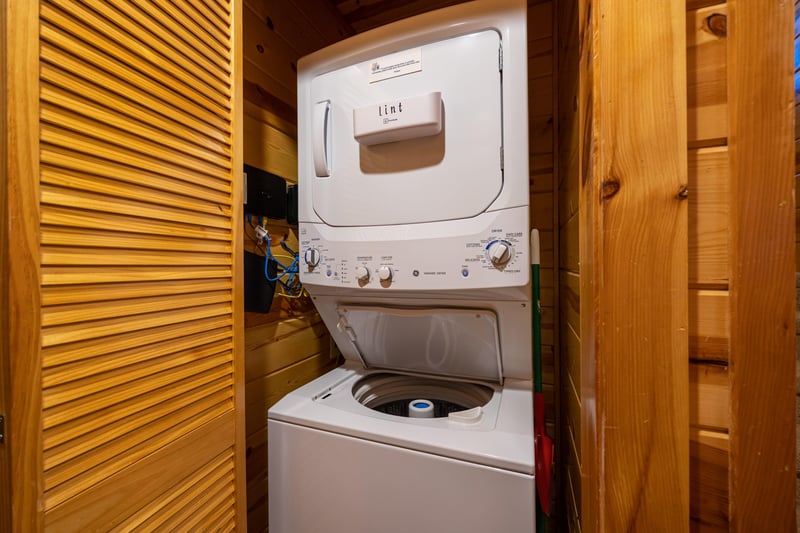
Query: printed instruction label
x=394 y=65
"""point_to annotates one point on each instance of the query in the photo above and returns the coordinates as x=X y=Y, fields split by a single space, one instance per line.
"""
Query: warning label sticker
x=394 y=65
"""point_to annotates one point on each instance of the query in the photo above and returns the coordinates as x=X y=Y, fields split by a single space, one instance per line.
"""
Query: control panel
x=494 y=256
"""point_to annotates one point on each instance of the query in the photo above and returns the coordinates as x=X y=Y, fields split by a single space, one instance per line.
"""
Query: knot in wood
x=683 y=193
x=717 y=24
x=609 y=188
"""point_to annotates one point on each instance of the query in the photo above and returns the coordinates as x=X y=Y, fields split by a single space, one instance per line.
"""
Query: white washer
x=413 y=206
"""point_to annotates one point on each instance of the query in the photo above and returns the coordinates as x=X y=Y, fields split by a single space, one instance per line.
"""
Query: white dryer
x=413 y=205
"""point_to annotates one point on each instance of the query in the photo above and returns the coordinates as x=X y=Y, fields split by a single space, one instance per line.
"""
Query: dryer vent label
x=394 y=65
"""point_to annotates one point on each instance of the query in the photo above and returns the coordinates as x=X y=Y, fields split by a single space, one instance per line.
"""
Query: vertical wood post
x=762 y=285
x=5 y=471
x=237 y=162
x=23 y=427
x=638 y=292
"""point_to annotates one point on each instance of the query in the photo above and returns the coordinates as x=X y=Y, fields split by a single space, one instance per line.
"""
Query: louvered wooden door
x=125 y=343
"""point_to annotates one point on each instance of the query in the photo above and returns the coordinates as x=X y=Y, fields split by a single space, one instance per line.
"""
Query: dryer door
x=415 y=136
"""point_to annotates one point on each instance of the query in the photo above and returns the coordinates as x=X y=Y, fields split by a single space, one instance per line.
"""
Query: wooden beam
x=762 y=286
x=640 y=287
x=5 y=466
x=237 y=164
x=21 y=70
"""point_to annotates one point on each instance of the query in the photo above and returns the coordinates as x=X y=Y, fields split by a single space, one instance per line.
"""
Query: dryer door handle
x=321 y=129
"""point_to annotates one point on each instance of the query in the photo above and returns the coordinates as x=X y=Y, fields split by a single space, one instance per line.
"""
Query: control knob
x=312 y=257
x=362 y=274
x=499 y=253
x=385 y=273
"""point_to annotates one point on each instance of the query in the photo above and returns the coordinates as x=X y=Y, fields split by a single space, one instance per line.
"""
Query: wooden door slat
x=55 y=236
x=146 y=213
x=85 y=145
x=157 y=400
x=90 y=311
x=87 y=292
x=73 y=487
x=114 y=326
x=77 y=218
x=221 y=10
x=56 y=275
x=107 y=362
x=150 y=517
x=190 y=18
x=139 y=133
x=118 y=496
x=134 y=52
x=94 y=436
x=68 y=179
x=156 y=148
x=65 y=164
x=94 y=402
x=175 y=124
x=87 y=80
x=87 y=61
x=176 y=39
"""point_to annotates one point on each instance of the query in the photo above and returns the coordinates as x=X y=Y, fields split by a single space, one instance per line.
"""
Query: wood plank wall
x=5 y=381
x=709 y=263
x=762 y=285
x=288 y=346
x=797 y=235
x=574 y=123
x=797 y=127
x=543 y=206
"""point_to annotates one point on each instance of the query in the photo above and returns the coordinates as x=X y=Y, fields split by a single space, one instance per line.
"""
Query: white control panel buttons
x=362 y=274
x=385 y=273
x=312 y=257
x=499 y=253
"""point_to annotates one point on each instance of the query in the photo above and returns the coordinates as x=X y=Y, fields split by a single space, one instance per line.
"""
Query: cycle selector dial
x=499 y=253
x=312 y=257
x=385 y=273
x=362 y=274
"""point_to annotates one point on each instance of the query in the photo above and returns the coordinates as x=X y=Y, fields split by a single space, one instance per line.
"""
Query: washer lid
x=442 y=341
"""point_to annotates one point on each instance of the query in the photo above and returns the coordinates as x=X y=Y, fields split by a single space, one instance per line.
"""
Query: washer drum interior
x=392 y=394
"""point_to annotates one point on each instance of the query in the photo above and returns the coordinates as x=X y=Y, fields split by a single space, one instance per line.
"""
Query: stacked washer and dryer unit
x=413 y=206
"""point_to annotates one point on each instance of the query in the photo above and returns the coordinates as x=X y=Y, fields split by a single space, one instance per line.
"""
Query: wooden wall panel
x=709 y=261
x=5 y=379
x=640 y=297
x=706 y=32
x=288 y=346
x=574 y=39
x=762 y=483
x=542 y=198
x=21 y=81
x=709 y=217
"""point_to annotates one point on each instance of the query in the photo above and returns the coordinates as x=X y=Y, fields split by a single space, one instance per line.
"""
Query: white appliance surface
x=454 y=174
x=436 y=256
x=502 y=437
x=323 y=481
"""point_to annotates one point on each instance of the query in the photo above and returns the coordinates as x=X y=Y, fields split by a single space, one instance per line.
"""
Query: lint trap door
x=442 y=342
x=414 y=136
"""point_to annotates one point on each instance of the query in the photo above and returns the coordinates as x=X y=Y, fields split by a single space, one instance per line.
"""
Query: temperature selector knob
x=385 y=273
x=312 y=257
x=499 y=253
x=362 y=274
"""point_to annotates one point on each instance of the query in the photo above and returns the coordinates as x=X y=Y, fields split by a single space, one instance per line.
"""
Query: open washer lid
x=437 y=341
